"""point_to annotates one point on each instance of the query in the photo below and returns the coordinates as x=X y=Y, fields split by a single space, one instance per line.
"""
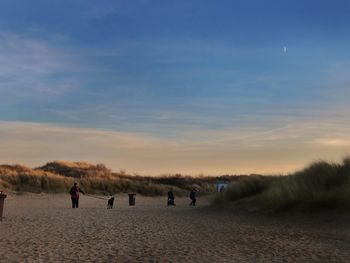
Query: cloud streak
x=34 y=69
x=278 y=150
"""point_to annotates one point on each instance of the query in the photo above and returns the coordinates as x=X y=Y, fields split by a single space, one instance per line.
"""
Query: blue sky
x=180 y=74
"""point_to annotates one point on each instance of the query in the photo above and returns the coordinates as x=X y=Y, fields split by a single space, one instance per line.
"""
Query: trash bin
x=2 y=199
x=132 y=199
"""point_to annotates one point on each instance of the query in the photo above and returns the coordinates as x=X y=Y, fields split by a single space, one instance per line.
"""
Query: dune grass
x=319 y=186
x=21 y=178
x=59 y=176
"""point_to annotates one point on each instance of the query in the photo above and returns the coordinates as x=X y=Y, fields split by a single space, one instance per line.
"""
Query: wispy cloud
x=33 y=69
x=29 y=67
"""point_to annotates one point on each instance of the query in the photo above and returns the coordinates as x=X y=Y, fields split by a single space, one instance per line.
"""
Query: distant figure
x=74 y=194
x=193 y=197
x=110 y=203
x=222 y=188
x=171 y=198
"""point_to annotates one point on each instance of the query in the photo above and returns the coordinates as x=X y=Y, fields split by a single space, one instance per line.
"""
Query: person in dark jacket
x=74 y=194
x=171 y=198
x=110 y=203
x=193 y=197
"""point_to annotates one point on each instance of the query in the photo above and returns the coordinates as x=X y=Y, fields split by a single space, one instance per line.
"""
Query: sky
x=187 y=86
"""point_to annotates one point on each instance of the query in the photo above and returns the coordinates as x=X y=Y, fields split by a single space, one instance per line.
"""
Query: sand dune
x=43 y=228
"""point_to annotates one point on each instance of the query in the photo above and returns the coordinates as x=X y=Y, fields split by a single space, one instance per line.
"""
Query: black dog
x=110 y=203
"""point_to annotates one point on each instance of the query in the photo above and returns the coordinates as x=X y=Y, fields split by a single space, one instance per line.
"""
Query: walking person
x=171 y=198
x=74 y=194
x=193 y=197
x=110 y=203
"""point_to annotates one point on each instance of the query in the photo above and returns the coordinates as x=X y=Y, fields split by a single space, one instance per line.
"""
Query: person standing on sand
x=193 y=197
x=74 y=194
x=171 y=198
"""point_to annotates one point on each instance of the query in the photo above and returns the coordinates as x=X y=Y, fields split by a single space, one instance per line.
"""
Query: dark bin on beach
x=2 y=200
x=132 y=199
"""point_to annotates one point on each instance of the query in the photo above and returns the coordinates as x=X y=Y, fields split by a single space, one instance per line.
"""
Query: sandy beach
x=43 y=228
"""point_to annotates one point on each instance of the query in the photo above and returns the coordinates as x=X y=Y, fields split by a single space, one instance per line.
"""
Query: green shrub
x=245 y=187
x=321 y=185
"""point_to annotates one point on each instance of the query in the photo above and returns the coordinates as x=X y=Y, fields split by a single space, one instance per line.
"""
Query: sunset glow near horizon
x=194 y=87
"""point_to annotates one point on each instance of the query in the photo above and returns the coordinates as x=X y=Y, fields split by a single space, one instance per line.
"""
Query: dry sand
x=43 y=228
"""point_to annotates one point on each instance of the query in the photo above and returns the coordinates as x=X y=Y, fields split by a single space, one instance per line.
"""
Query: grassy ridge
x=59 y=176
x=321 y=185
x=21 y=178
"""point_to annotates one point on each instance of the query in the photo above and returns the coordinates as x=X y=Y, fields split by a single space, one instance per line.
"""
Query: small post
x=2 y=200
x=132 y=199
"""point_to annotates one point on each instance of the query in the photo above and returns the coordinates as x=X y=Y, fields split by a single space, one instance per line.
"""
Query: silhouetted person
x=110 y=203
x=74 y=195
x=171 y=198
x=193 y=197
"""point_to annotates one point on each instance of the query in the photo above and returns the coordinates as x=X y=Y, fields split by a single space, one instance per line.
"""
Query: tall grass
x=321 y=185
x=245 y=187
x=21 y=178
x=59 y=176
